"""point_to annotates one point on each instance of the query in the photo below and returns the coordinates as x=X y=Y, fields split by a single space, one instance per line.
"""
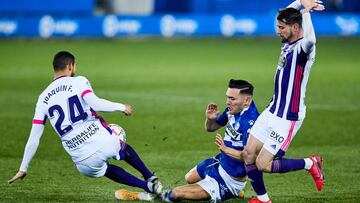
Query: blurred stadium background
x=169 y=58
x=113 y=18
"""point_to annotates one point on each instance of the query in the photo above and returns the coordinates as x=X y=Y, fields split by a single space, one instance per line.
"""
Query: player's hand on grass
x=310 y=5
x=212 y=111
x=19 y=175
x=128 y=110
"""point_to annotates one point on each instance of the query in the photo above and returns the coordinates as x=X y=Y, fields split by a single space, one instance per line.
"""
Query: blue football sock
x=287 y=165
x=119 y=175
x=256 y=179
x=132 y=158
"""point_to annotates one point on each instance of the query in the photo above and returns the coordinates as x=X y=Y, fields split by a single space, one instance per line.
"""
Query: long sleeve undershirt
x=98 y=104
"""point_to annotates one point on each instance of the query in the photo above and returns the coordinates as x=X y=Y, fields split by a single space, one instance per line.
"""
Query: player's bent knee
x=189 y=179
x=249 y=157
x=191 y=176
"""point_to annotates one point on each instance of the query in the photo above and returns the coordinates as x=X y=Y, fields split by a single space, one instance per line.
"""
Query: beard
x=284 y=40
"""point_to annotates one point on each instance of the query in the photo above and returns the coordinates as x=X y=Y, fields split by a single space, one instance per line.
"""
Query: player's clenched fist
x=128 y=110
x=212 y=111
x=312 y=5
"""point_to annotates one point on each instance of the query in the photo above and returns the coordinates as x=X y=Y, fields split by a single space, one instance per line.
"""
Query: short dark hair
x=62 y=59
x=290 y=16
x=244 y=86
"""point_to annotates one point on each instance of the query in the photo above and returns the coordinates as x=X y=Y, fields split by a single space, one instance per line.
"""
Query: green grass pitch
x=169 y=83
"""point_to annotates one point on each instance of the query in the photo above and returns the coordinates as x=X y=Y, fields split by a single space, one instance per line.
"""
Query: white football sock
x=308 y=163
x=264 y=197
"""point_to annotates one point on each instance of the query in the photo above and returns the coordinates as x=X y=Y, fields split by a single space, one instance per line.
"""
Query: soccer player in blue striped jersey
x=223 y=176
x=277 y=125
x=70 y=104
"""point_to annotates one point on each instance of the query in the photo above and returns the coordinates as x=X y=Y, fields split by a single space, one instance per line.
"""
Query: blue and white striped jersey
x=236 y=134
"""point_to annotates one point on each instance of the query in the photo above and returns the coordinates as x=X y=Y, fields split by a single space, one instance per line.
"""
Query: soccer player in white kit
x=277 y=125
x=71 y=105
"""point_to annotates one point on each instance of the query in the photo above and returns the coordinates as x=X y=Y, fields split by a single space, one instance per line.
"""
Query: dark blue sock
x=256 y=179
x=119 y=175
x=287 y=165
x=132 y=158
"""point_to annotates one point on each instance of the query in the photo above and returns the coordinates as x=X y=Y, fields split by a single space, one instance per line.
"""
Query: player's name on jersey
x=82 y=136
x=58 y=89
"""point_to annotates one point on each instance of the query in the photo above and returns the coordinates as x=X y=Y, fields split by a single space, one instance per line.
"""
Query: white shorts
x=221 y=187
x=276 y=133
x=96 y=165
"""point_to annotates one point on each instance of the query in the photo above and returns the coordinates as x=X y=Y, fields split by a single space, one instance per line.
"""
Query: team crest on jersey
x=251 y=122
x=282 y=60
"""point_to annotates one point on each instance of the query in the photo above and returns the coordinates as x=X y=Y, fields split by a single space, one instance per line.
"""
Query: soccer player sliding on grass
x=223 y=176
x=70 y=104
x=277 y=125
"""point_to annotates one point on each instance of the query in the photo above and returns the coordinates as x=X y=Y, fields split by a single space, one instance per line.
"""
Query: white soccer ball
x=118 y=131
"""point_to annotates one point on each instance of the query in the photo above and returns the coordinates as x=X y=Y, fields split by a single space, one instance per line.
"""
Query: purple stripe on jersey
x=102 y=121
x=285 y=83
x=276 y=89
x=293 y=110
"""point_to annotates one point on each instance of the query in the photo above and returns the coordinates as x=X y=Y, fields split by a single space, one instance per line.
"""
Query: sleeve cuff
x=122 y=107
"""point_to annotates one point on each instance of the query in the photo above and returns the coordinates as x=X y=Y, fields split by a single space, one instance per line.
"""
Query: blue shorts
x=213 y=180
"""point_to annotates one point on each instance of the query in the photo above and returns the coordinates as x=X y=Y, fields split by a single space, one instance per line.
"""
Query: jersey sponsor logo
x=275 y=136
x=82 y=136
x=58 y=89
x=232 y=132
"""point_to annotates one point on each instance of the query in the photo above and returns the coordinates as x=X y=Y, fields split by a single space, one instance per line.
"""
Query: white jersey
x=81 y=130
x=292 y=75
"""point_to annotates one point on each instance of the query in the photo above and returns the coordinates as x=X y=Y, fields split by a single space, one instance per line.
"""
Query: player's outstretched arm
x=211 y=113
x=104 y=105
x=30 y=150
x=219 y=142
